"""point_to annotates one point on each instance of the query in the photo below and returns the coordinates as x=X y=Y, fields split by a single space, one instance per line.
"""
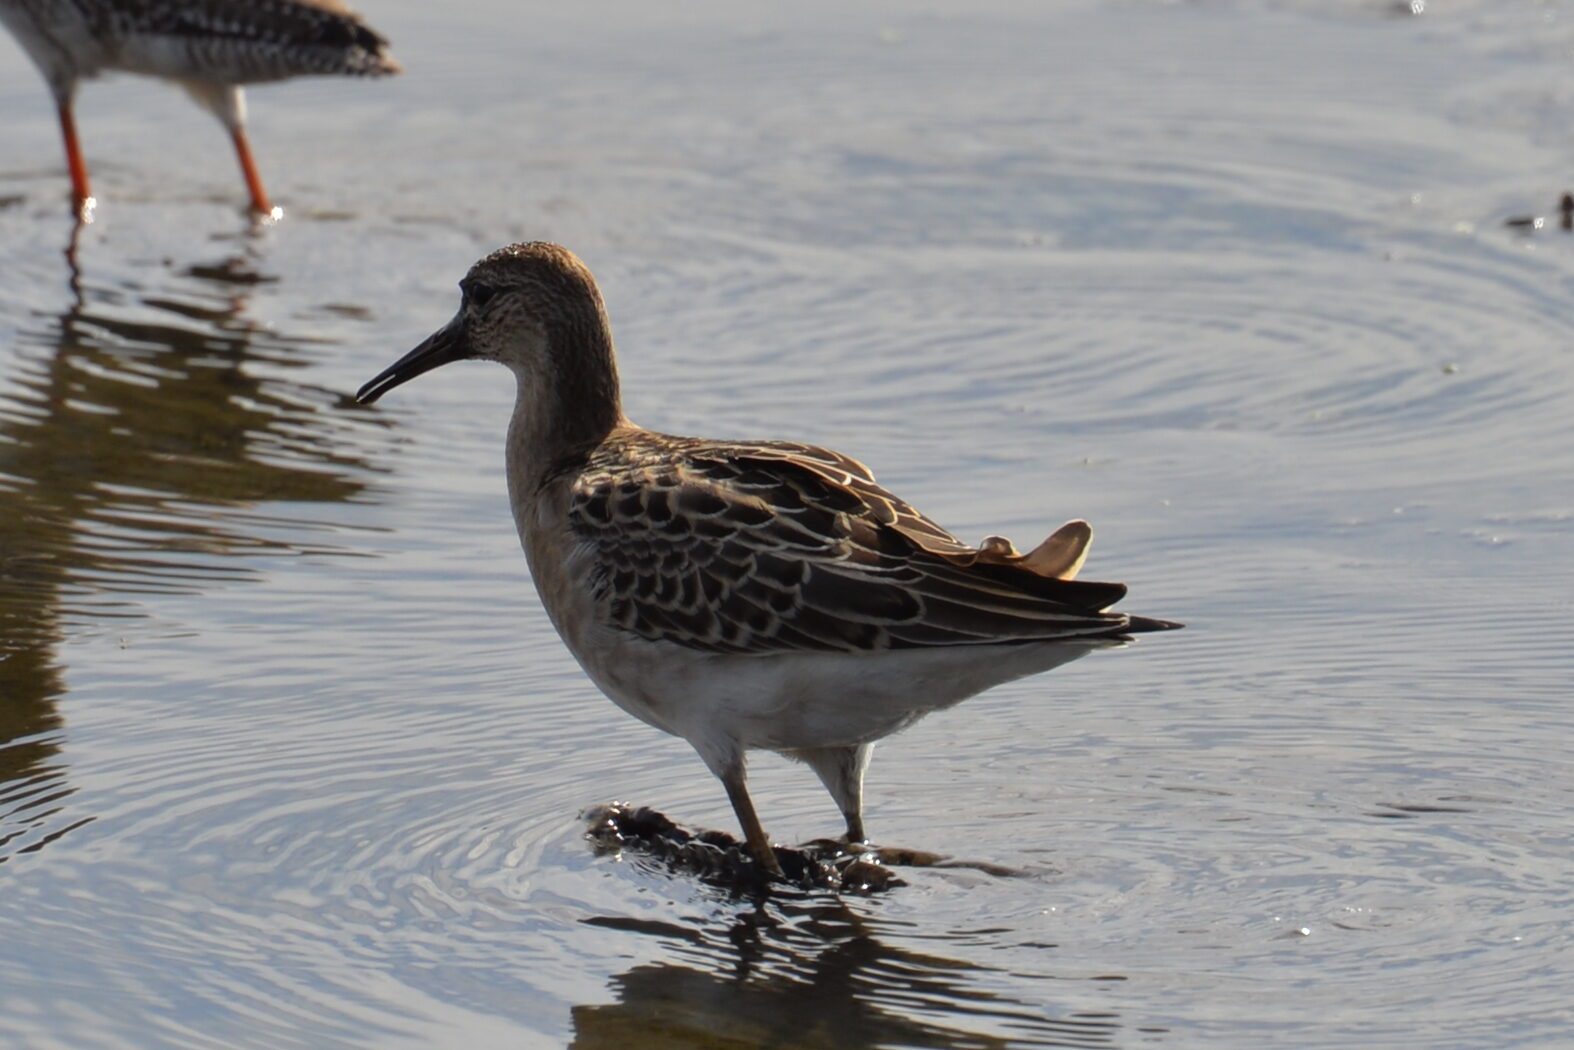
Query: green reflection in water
x=136 y=431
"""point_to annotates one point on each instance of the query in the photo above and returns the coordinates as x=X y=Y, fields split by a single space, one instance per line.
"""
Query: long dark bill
x=448 y=343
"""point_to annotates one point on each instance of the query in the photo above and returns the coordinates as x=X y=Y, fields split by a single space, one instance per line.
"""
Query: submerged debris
x=1532 y=223
x=719 y=859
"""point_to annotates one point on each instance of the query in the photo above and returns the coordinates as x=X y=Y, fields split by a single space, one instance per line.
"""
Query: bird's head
x=535 y=308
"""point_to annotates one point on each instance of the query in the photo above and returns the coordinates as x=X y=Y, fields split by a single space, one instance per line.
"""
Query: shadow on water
x=135 y=428
x=813 y=972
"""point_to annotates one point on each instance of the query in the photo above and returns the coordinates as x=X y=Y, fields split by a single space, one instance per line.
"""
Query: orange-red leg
x=248 y=167
x=81 y=192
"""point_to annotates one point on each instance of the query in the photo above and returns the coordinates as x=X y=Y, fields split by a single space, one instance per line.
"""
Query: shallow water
x=290 y=756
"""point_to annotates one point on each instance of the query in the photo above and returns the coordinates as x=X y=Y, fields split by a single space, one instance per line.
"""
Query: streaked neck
x=565 y=409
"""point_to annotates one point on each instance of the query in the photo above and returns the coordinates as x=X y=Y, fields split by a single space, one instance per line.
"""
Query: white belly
x=795 y=701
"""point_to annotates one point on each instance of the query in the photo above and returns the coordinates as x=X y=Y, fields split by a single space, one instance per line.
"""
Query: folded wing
x=772 y=547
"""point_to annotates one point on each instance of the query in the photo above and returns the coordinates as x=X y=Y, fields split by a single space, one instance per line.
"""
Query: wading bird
x=208 y=47
x=745 y=594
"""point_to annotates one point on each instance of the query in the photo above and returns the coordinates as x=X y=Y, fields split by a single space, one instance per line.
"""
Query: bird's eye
x=479 y=294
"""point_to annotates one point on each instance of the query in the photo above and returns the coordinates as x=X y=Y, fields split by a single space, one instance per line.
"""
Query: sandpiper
x=209 y=47
x=745 y=594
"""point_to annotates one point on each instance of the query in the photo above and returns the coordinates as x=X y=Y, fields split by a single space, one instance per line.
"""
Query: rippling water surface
x=290 y=756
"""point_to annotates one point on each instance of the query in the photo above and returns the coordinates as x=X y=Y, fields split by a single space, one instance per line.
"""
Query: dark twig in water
x=721 y=860
x=718 y=858
x=1532 y=223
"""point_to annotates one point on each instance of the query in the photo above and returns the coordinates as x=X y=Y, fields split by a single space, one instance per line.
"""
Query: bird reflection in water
x=138 y=427
x=813 y=972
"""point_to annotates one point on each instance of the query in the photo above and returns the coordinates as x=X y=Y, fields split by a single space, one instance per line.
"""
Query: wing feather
x=771 y=547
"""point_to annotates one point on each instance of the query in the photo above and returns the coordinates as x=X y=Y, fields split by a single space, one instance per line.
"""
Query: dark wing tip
x=1139 y=624
x=1090 y=596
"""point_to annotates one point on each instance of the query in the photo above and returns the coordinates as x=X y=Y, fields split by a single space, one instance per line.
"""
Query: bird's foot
x=262 y=218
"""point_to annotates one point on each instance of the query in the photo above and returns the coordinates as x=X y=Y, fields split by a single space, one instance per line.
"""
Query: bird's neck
x=564 y=412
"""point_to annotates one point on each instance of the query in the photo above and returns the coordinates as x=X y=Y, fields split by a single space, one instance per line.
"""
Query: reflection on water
x=31 y=778
x=134 y=427
x=812 y=972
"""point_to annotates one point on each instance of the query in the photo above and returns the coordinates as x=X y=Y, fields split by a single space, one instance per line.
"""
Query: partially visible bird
x=745 y=594
x=209 y=47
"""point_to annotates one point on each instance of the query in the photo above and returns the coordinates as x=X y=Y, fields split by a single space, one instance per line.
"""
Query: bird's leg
x=754 y=837
x=855 y=828
x=228 y=103
x=841 y=770
x=81 y=192
x=259 y=195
